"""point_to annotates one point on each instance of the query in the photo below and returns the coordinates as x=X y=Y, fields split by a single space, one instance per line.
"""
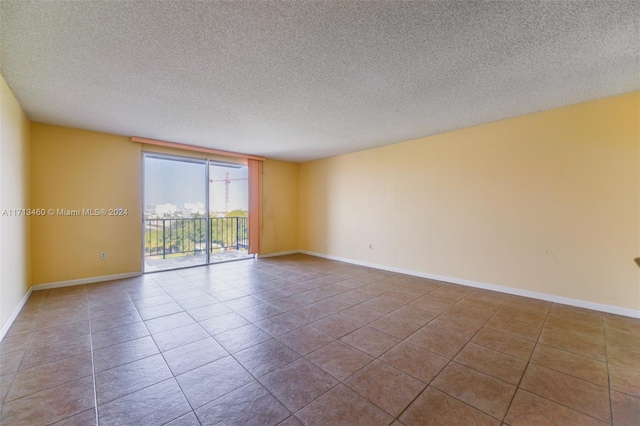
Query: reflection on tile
x=442 y=344
x=528 y=304
x=433 y=407
x=387 y=387
x=242 y=337
x=14 y=343
x=623 y=357
x=298 y=383
x=506 y=343
x=10 y=362
x=5 y=384
x=575 y=365
x=167 y=322
x=339 y=359
x=370 y=341
x=515 y=314
x=529 y=409
x=625 y=380
x=159 y=310
x=360 y=314
x=414 y=314
x=51 y=335
x=223 y=323
x=291 y=421
x=493 y=363
x=206 y=312
x=211 y=381
x=269 y=341
x=383 y=304
x=41 y=377
x=305 y=339
x=575 y=327
x=36 y=355
x=280 y=324
x=461 y=329
x=258 y=313
x=81 y=419
x=51 y=405
x=477 y=389
x=515 y=328
x=250 y=405
x=337 y=326
x=153 y=405
x=626 y=410
x=394 y=326
x=265 y=357
x=22 y=327
x=342 y=406
x=415 y=361
x=188 y=419
x=580 y=345
x=119 y=381
x=123 y=353
x=180 y=336
x=575 y=393
x=193 y=355
x=113 y=336
x=112 y=321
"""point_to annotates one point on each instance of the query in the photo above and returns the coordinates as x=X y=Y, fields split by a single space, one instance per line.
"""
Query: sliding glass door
x=195 y=212
x=175 y=212
x=229 y=211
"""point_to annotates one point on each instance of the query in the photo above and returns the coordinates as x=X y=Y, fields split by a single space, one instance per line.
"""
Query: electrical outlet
x=103 y=255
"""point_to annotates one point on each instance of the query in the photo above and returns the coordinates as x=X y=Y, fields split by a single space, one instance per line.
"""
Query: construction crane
x=226 y=181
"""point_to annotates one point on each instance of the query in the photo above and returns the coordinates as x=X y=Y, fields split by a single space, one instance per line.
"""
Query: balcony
x=173 y=243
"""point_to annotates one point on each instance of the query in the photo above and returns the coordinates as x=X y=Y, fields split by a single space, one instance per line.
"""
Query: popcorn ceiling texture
x=302 y=80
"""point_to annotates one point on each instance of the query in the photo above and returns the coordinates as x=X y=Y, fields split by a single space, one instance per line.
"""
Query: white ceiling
x=300 y=80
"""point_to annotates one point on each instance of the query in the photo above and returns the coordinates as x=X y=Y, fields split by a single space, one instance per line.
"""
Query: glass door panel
x=175 y=212
x=228 y=211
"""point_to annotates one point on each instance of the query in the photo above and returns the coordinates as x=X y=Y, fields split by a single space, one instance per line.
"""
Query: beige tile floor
x=302 y=340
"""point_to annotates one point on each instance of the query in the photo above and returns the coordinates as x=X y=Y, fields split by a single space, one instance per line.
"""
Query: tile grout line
x=242 y=285
x=527 y=366
x=303 y=357
x=449 y=362
x=93 y=366
x=173 y=376
x=606 y=357
x=573 y=376
x=120 y=365
x=24 y=352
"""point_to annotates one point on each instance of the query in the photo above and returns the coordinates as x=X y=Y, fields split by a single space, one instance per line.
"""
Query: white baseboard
x=280 y=253
x=634 y=313
x=81 y=281
x=7 y=325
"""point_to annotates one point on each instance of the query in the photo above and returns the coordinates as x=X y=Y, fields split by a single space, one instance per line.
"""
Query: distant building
x=162 y=209
x=193 y=208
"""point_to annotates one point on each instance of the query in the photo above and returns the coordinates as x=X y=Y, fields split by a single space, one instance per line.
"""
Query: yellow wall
x=78 y=169
x=279 y=220
x=14 y=194
x=548 y=202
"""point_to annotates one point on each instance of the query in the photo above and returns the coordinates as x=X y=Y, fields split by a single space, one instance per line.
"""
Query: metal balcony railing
x=164 y=237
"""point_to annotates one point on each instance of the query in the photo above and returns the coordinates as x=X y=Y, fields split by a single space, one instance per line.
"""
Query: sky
x=179 y=182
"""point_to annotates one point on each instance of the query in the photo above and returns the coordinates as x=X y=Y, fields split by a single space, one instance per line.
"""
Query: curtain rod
x=194 y=148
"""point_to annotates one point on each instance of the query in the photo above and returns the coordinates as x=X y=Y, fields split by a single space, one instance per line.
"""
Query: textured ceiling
x=301 y=80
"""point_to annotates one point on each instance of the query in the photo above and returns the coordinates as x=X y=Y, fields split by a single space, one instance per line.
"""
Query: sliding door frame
x=207 y=162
